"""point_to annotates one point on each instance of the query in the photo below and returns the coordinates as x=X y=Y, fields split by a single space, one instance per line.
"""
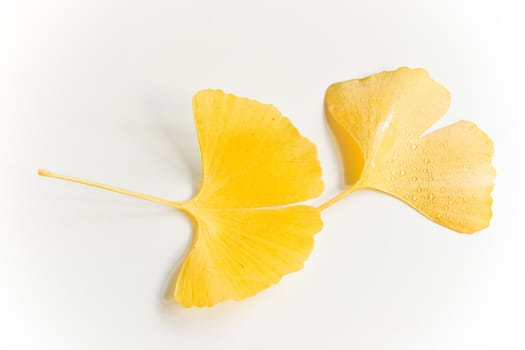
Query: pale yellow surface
x=378 y=121
x=252 y=157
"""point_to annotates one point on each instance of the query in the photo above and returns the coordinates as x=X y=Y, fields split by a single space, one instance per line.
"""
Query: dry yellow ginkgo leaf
x=379 y=123
x=252 y=158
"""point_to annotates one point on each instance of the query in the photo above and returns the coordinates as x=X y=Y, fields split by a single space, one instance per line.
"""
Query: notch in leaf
x=379 y=123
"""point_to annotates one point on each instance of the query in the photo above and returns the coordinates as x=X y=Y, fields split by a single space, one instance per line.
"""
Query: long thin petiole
x=146 y=197
x=337 y=197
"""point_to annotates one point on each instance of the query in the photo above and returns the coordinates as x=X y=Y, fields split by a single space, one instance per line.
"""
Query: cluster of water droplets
x=423 y=196
x=413 y=164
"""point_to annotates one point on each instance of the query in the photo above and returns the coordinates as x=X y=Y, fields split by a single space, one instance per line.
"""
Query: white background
x=102 y=90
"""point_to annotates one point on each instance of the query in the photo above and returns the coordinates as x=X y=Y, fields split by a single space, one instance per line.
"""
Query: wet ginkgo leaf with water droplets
x=379 y=123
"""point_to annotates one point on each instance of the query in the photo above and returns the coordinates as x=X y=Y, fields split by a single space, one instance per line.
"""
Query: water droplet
x=402 y=173
x=426 y=161
x=425 y=203
x=430 y=178
x=373 y=164
x=414 y=146
x=414 y=198
x=419 y=189
x=439 y=216
x=395 y=157
x=413 y=178
x=392 y=178
x=431 y=196
x=398 y=190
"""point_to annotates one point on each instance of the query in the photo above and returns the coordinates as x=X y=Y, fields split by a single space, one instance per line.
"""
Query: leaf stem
x=146 y=197
x=338 y=197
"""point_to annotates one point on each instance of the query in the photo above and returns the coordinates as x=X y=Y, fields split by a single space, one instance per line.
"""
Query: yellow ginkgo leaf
x=379 y=123
x=252 y=158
